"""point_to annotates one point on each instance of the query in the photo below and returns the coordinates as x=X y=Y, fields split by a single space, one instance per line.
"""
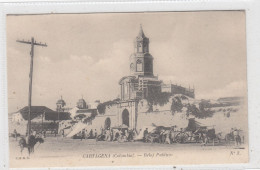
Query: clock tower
x=141 y=62
x=141 y=83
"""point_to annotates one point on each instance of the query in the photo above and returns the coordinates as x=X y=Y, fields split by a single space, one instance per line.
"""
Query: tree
x=200 y=112
x=176 y=105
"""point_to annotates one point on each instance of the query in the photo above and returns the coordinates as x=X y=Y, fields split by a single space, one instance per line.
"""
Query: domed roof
x=81 y=101
x=81 y=104
x=61 y=101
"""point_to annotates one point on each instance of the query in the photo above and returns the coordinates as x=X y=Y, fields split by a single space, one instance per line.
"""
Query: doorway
x=125 y=117
x=107 y=123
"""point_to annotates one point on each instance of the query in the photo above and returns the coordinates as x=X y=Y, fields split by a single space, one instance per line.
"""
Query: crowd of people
x=130 y=135
x=84 y=134
x=121 y=135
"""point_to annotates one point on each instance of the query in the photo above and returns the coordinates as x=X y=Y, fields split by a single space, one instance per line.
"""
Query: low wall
x=99 y=121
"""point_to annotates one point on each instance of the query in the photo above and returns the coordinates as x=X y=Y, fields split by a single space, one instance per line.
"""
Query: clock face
x=132 y=66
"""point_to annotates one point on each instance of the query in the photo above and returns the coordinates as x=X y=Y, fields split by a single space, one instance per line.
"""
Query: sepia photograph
x=120 y=89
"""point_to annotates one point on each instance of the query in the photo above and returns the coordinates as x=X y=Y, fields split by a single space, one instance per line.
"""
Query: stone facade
x=137 y=87
x=121 y=113
x=141 y=80
x=133 y=110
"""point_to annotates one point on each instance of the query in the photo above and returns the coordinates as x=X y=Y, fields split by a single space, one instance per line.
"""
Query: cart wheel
x=182 y=137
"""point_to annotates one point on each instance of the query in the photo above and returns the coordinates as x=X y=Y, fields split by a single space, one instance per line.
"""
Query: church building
x=135 y=89
x=132 y=109
x=142 y=81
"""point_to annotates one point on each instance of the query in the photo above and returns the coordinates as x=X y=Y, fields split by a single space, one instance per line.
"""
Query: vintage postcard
x=109 y=89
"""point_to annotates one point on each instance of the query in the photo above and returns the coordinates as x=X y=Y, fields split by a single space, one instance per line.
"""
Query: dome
x=81 y=104
x=61 y=102
x=82 y=101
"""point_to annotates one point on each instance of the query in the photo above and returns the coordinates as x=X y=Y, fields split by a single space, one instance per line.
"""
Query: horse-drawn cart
x=201 y=134
x=194 y=132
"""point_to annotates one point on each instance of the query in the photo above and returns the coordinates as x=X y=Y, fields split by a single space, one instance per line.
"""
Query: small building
x=17 y=117
x=36 y=113
x=42 y=118
x=177 y=89
x=81 y=104
x=60 y=105
x=77 y=113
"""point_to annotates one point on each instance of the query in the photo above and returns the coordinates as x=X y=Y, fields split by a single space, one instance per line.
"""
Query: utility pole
x=32 y=43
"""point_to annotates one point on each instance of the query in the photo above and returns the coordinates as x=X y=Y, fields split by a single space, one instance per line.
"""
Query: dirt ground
x=58 y=151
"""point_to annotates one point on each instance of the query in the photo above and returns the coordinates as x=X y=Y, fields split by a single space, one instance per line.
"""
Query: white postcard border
x=253 y=57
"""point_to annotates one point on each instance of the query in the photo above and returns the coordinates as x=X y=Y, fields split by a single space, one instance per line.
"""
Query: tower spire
x=141 y=32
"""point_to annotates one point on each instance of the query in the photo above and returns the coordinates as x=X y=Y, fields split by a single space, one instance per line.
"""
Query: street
x=89 y=152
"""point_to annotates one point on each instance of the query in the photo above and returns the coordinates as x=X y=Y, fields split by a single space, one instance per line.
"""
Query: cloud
x=88 y=54
x=73 y=77
x=236 y=88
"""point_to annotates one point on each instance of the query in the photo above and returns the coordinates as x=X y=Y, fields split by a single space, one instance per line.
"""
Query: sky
x=87 y=54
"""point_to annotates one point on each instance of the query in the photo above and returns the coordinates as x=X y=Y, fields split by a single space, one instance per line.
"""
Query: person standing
x=161 y=137
x=237 y=137
x=82 y=134
x=126 y=134
x=205 y=139
x=107 y=134
x=44 y=133
x=86 y=134
x=55 y=132
x=34 y=133
x=116 y=135
x=145 y=135
x=95 y=136
x=15 y=134
x=62 y=132
x=140 y=130
x=167 y=139
x=91 y=134
x=112 y=135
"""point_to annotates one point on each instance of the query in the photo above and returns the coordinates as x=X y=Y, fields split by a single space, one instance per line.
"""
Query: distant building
x=36 y=113
x=74 y=112
x=176 y=89
x=81 y=104
x=140 y=85
x=231 y=100
x=42 y=118
x=93 y=105
x=141 y=82
x=83 y=108
x=136 y=91
x=60 y=105
x=17 y=117
x=39 y=114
